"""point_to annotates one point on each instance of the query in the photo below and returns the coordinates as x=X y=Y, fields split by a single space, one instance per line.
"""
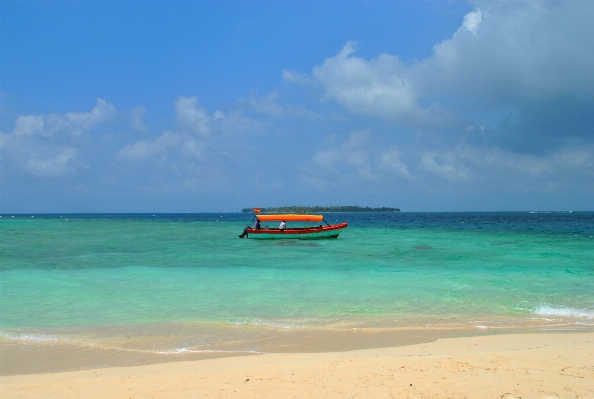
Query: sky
x=213 y=106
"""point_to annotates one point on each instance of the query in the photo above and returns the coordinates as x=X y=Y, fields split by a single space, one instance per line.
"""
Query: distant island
x=319 y=209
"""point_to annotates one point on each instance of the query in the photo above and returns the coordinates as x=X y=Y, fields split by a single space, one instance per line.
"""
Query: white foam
x=546 y=310
x=34 y=337
x=184 y=350
x=50 y=338
x=258 y=322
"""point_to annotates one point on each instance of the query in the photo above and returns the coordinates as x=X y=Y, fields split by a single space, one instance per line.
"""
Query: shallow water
x=178 y=283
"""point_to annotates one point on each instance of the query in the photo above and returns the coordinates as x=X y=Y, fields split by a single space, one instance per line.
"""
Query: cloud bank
x=508 y=65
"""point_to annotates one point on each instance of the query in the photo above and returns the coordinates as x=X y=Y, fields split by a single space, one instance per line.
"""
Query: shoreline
x=532 y=364
x=139 y=347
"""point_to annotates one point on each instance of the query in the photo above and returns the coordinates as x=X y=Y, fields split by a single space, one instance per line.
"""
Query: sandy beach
x=536 y=365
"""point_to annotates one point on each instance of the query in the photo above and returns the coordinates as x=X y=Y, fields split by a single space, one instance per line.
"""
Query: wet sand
x=541 y=365
x=136 y=347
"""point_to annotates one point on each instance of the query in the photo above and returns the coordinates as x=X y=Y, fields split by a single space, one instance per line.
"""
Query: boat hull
x=298 y=234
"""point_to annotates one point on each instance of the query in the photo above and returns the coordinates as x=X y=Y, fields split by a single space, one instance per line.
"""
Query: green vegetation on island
x=319 y=209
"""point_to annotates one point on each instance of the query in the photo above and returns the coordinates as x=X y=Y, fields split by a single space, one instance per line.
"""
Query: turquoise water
x=67 y=277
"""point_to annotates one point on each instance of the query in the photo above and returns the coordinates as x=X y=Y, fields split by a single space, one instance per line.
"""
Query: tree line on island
x=319 y=209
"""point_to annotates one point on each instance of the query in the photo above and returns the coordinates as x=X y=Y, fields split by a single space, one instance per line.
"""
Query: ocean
x=126 y=288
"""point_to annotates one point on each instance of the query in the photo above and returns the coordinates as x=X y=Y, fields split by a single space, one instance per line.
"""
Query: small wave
x=563 y=312
x=34 y=337
x=50 y=338
x=184 y=350
x=180 y=351
x=262 y=323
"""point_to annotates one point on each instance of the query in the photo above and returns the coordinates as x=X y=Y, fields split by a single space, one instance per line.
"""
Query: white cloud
x=71 y=123
x=187 y=147
x=29 y=125
x=269 y=106
x=136 y=118
x=163 y=145
x=46 y=145
x=356 y=160
x=391 y=161
x=479 y=167
x=363 y=162
x=298 y=78
x=517 y=55
x=472 y=21
x=445 y=167
x=380 y=87
x=149 y=148
x=53 y=166
x=377 y=87
x=191 y=117
x=515 y=51
x=84 y=121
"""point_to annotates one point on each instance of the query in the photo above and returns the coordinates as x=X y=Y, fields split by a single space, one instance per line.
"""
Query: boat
x=312 y=228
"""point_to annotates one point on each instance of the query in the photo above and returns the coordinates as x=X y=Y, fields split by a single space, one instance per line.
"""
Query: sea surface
x=167 y=284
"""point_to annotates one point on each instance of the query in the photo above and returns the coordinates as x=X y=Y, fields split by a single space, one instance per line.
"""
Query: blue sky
x=127 y=106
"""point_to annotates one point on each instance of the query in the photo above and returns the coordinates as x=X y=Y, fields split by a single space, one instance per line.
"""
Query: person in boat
x=282 y=226
x=257 y=227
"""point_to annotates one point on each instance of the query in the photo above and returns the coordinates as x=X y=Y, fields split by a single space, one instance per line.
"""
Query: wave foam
x=184 y=350
x=262 y=323
x=50 y=338
x=563 y=312
x=34 y=337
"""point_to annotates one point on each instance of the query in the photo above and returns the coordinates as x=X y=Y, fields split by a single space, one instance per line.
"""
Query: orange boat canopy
x=290 y=217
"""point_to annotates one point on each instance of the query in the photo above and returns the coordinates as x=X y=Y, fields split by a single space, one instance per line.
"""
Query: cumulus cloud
x=299 y=78
x=445 y=167
x=356 y=160
x=163 y=145
x=195 y=128
x=204 y=151
x=391 y=161
x=363 y=163
x=379 y=87
x=71 y=123
x=45 y=145
x=519 y=60
x=53 y=166
x=472 y=21
x=149 y=148
x=495 y=168
x=515 y=51
x=269 y=105
x=191 y=117
x=84 y=121
x=29 y=125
